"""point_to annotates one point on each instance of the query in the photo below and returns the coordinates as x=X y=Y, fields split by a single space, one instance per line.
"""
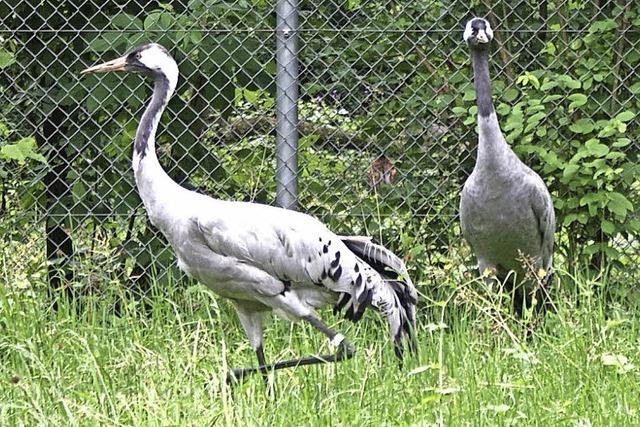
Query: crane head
x=150 y=59
x=478 y=32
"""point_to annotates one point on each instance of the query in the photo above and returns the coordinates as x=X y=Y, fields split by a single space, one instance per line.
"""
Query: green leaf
x=569 y=82
x=608 y=227
x=503 y=109
x=6 y=58
x=469 y=95
x=603 y=25
x=577 y=100
x=195 y=4
x=513 y=122
x=551 y=98
x=497 y=409
x=37 y=157
x=151 y=21
x=619 y=204
x=528 y=79
x=106 y=41
x=615 y=155
x=607 y=131
x=633 y=225
x=98 y=94
x=98 y=44
x=568 y=219
x=537 y=117
x=622 y=127
x=510 y=94
x=534 y=121
x=126 y=22
x=595 y=148
x=459 y=111
x=547 y=85
x=582 y=126
x=570 y=170
x=621 y=142
x=635 y=88
x=469 y=121
x=12 y=152
x=534 y=106
x=625 y=116
x=22 y=150
x=166 y=20
x=251 y=96
x=79 y=191
x=195 y=37
x=353 y=4
x=591 y=198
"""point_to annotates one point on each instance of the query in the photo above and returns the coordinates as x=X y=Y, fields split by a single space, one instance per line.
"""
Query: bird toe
x=345 y=350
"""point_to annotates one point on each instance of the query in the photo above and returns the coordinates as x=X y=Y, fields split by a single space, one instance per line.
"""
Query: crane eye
x=138 y=55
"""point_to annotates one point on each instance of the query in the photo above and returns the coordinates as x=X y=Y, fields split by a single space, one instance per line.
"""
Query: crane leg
x=345 y=350
x=262 y=363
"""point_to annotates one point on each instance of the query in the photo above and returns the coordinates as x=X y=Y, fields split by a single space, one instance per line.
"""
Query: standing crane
x=506 y=211
x=260 y=257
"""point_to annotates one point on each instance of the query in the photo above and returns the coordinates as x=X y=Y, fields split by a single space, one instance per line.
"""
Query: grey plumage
x=506 y=211
x=260 y=257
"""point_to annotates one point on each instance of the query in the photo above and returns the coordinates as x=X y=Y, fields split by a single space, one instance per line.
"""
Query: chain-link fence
x=386 y=121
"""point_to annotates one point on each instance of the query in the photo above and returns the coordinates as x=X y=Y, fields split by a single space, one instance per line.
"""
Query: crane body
x=506 y=211
x=260 y=257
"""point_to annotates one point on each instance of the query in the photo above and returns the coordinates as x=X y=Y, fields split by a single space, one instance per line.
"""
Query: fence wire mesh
x=386 y=121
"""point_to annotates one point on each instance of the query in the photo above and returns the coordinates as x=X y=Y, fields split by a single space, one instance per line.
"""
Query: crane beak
x=115 y=65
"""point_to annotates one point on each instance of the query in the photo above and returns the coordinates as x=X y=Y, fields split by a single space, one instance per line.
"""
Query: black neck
x=151 y=117
x=480 y=58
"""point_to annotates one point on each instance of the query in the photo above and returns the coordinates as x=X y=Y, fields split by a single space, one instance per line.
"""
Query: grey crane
x=506 y=211
x=260 y=257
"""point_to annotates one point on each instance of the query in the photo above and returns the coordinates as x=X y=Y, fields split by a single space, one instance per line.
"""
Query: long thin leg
x=250 y=315
x=261 y=364
x=344 y=351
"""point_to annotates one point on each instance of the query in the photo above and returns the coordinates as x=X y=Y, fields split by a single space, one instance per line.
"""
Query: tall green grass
x=166 y=364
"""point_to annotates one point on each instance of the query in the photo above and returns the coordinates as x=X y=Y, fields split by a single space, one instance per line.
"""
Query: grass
x=167 y=367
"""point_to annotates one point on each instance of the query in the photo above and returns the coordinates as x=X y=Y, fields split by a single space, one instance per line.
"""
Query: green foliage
x=20 y=151
x=15 y=155
x=6 y=58
x=21 y=165
x=7 y=52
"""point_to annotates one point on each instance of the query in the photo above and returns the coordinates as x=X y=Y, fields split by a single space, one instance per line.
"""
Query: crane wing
x=390 y=267
x=294 y=248
x=379 y=257
x=385 y=262
x=542 y=206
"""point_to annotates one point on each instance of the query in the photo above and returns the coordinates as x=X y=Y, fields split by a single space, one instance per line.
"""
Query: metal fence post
x=286 y=104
